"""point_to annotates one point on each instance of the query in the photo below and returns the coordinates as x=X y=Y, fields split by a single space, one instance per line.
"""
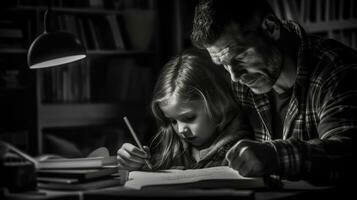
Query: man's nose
x=236 y=70
x=227 y=67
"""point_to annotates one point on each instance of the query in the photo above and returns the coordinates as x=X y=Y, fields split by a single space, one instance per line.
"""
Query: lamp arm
x=45 y=20
x=47 y=17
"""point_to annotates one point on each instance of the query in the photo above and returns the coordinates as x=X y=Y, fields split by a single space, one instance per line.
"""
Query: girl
x=196 y=114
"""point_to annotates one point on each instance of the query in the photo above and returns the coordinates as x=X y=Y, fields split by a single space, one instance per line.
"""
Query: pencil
x=136 y=139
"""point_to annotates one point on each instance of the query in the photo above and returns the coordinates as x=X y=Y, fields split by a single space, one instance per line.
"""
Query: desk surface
x=291 y=190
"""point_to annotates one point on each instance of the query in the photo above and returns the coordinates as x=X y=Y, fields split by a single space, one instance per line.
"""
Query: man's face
x=250 y=57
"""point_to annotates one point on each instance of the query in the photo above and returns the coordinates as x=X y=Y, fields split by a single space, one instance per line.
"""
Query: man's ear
x=271 y=27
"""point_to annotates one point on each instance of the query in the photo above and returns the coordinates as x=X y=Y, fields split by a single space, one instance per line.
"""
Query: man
x=297 y=91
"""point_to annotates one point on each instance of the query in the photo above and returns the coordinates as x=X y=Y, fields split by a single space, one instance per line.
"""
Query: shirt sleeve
x=289 y=158
x=329 y=157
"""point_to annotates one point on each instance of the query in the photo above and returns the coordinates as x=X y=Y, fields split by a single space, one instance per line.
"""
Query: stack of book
x=79 y=173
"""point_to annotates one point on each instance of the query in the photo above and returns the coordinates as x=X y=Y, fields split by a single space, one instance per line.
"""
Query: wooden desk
x=290 y=191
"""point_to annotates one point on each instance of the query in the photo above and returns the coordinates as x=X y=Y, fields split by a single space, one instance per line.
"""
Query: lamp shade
x=54 y=48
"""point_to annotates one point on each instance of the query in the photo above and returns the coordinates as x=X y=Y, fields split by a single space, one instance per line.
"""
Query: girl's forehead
x=174 y=97
x=174 y=105
x=174 y=100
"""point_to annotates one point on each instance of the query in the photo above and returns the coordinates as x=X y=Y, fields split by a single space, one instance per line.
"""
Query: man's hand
x=252 y=158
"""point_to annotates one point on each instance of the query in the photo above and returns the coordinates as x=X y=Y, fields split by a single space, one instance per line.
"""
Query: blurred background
x=75 y=108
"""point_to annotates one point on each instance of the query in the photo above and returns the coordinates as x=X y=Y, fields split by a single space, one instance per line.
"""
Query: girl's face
x=190 y=120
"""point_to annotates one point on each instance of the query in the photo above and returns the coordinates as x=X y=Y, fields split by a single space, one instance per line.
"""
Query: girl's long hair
x=193 y=76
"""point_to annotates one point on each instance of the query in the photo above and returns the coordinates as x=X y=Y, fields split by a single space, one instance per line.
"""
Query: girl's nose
x=186 y=133
x=180 y=127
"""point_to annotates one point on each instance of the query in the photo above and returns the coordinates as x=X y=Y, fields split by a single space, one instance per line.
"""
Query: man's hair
x=212 y=16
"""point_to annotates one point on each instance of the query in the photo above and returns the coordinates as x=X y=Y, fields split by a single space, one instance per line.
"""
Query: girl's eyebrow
x=184 y=113
x=178 y=115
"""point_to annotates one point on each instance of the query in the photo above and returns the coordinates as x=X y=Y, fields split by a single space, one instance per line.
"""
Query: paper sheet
x=139 y=179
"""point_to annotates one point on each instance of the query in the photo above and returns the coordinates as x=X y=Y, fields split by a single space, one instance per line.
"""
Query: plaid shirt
x=322 y=114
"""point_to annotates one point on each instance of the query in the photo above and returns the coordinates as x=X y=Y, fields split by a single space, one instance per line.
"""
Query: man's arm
x=330 y=156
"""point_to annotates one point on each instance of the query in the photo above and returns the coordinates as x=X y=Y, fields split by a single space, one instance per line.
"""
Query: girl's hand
x=131 y=157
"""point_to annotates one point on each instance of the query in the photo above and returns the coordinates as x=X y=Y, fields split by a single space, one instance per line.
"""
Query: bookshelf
x=336 y=19
x=115 y=79
x=182 y=18
x=15 y=110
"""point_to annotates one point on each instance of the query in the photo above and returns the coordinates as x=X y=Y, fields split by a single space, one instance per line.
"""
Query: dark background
x=75 y=108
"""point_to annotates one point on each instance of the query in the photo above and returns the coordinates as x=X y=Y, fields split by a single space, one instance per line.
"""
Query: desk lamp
x=54 y=48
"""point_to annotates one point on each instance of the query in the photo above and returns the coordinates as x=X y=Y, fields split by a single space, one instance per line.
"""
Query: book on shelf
x=70 y=83
x=117 y=79
x=306 y=11
x=213 y=177
x=103 y=33
x=127 y=81
x=11 y=35
x=81 y=32
x=96 y=3
x=115 y=29
x=87 y=32
x=93 y=35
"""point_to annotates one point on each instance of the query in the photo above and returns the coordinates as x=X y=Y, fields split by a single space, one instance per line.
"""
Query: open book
x=213 y=177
